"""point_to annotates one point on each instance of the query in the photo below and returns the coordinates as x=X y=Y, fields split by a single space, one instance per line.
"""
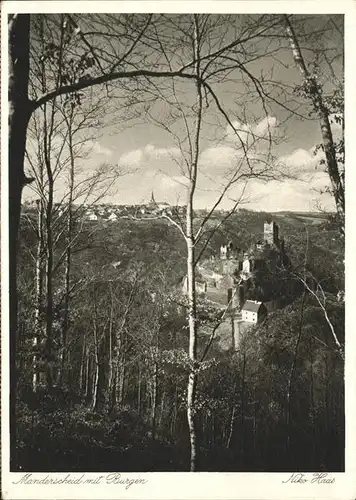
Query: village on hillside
x=235 y=280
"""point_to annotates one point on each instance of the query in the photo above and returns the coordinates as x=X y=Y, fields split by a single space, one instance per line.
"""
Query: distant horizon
x=112 y=204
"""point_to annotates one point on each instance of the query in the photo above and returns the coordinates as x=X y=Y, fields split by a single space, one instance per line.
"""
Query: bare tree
x=59 y=142
x=184 y=122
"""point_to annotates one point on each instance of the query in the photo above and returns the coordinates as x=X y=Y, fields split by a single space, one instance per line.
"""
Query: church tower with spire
x=153 y=201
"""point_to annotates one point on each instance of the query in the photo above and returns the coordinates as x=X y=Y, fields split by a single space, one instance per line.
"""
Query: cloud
x=301 y=160
x=137 y=157
x=180 y=179
x=156 y=170
x=132 y=158
x=219 y=158
x=294 y=195
x=101 y=150
x=94 y=147
x=246 y=130
x=238 y=132
x=269 y=123
x=152 y=152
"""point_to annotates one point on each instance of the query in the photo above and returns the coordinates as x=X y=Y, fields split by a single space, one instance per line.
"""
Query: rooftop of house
x=251 y=306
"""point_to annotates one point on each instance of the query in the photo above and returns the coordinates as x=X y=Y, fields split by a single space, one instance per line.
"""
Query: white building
x=246 y=265
x=253 y=311
x=113 y=217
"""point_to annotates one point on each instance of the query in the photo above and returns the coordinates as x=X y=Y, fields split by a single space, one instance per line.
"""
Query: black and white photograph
x=173 y=212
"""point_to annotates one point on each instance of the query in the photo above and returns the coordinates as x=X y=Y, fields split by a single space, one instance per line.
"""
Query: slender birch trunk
x=162 y=407
x=254 y=421
x=117 y=388
x=312 y=404
x=242 y=414
x=95 y=380
x=120 y=373
x=139 y=391
x=154 y=390
x=121 y=382
x=192 y=379
x=38 y=336
x=68 y=257
x=190 y=240
x=87 y=375
x=49 y=271
x=113 y=395
x=232 y=423
x=315 y=94
x=96 y=362
x=111 y=356
x=82 y=367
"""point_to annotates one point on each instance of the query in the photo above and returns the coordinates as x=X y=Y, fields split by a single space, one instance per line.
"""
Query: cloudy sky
x=151 y=161
x=152 y=167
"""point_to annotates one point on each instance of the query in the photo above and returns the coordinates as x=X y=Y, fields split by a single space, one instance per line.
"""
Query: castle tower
x=231 y=250
x=223 y=252
x=270 y=230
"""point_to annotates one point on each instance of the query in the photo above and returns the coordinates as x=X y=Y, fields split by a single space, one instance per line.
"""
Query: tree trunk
x=312 y=404
x=242 y=414
x=175 y=412
x=190 y=240
x=162 y=408
x=87 y=375
x=118 y=373
x=315 y=94
x=96 y=363
x=95 y=383
x=67 y=274
x=38 y=336
x=68 y=258
x=212 y=420
x=154 y=401
x=19 y=113
x=192 y=380
x=111 y=357
x=49 y=280
x=121 y=382
x=82 y=367
x=139 y=390
x=113 y=395
x=233 y=342
x=232 y=422
x=254 y=422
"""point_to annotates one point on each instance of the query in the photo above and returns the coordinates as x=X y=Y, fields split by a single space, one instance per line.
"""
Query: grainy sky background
x=148 y=155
